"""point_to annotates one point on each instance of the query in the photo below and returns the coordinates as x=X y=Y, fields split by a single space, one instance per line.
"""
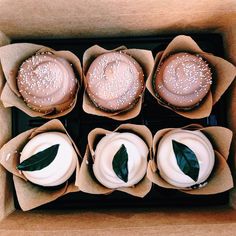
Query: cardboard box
x=66 y=19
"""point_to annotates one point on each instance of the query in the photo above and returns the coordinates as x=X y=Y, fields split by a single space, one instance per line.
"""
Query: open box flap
x=6 y=185
x=58 y=19
x=145 y=221
x=230 y=49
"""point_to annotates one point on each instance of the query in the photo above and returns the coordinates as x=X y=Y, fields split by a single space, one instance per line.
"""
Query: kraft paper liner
x=220 y=179
x=87 y=180
x=143 y=57
x=12 y=56
x=28 y=194
x=223 y=75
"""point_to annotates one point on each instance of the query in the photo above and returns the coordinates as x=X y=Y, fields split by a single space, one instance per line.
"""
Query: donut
x=114 y=81
x=183 y=80
x=47 y=83
x=167 y=163
x=60 y=169
x=105 y=151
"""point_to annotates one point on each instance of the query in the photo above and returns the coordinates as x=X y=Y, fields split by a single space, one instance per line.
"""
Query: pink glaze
x=183 y=80
x=47 y=83
x=114 y=81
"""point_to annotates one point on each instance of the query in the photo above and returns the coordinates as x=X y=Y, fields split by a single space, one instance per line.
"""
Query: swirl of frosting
x=183 y=80
x=114 y=81
x=60 y=169
x=167 y=163
x=47 y=83
x=105 y=151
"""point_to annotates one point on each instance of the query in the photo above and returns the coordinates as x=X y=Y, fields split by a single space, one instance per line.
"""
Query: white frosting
x=137 y=159
x=167 y=163
x=60 y=169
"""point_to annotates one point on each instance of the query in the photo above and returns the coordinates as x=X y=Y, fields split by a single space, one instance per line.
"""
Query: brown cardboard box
x=25 y=18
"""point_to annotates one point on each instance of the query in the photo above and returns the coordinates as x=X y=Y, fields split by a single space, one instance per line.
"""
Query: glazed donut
x=114 y=81
x=47 y=83
x=183 y=80
x=137 y=159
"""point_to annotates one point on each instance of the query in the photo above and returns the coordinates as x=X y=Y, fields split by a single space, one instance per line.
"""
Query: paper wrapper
x=220 y=179
x=87 y=180
x=28 y=194
x=223 y=75
x=12 y=56
x=143 y=57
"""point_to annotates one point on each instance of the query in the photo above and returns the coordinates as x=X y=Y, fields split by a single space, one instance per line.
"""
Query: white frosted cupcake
x=45 y=169
x=120 y=160
x=185 y=158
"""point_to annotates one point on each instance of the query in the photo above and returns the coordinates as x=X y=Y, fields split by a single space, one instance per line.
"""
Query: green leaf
x=120 y=163
x=39 y=160
x=186 y=159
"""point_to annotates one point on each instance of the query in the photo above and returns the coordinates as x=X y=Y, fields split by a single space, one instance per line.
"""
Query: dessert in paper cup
x=115 y=81
x=44 y=163
x=188 y=80
x=39 y=80
x=192 y=159
x=117 y=161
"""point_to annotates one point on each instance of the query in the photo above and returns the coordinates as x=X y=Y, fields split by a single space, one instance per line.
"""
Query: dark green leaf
x=186 y=159
x=120 y=163
x=39 y=160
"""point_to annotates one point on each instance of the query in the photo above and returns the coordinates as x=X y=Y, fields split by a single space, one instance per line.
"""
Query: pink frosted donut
x=47 y=83
x=183 y=80
x=114 y=81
